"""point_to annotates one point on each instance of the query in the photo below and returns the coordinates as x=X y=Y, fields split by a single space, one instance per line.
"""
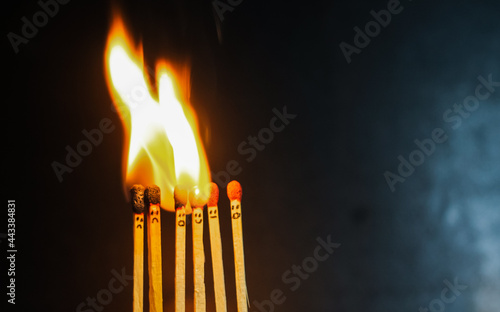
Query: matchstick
x=216 y=248
x=234 y=193
x=180 y=198
x=154 y=249
x=197 y=203
x=137 y=195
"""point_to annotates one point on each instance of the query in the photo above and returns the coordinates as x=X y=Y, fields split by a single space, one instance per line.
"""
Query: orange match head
x=197 y=198
x=153 y=195
x=137 y=196
x=234 y=190
x=180 y=196
x=214 y=195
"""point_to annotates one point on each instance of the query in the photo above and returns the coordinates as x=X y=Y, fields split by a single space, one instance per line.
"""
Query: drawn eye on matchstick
x=152 y=195
x=140 y=222
x=235 y=211
x=198 y=217
x=216 y=249
x=138 y=206
x=198 y=200
x=154 y=212
x=180 y=199
x=234 y=193
x=212 y=212
x=137 y=194
x=182 y=221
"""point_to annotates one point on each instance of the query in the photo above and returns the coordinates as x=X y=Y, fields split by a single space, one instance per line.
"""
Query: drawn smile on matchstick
x=198 y=217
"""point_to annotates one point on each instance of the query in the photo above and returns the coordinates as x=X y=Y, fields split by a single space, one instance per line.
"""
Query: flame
x=162 y=144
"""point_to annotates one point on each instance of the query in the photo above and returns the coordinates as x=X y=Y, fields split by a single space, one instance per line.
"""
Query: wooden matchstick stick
x=216 y=248
x=137 y=195
x=180 y=197
x=197 y=203
x=154 y=249
x=234 y=193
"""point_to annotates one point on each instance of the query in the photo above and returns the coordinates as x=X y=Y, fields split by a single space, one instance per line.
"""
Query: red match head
x=214 y=195
x=234 y=190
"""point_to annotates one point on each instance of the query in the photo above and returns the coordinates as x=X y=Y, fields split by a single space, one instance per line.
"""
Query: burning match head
x=234 y=190
x=214 y=195
x=196 y=198
x=137 y=195
x=180 y=196
x=153 y=195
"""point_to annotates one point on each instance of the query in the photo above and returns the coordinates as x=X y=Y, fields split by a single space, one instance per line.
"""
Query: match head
x=153 y=195
x=180 y=196
x=214 y=195
x=137 y=195
x=196 y=198
x=234 y=190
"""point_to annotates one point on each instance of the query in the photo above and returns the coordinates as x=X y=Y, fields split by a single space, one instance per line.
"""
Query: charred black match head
x=180 y=196
x=137 y=195
x=153 y=195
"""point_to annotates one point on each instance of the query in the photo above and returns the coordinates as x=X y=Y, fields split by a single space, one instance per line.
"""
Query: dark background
x=323 y=175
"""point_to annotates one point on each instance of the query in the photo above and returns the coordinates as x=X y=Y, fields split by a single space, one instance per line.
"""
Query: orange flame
x=162 y=144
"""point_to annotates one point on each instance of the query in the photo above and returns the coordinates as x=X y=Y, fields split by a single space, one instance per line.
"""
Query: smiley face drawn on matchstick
x=212 y=212
x=236 y=212
x=139 y=221
x=198 y=215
